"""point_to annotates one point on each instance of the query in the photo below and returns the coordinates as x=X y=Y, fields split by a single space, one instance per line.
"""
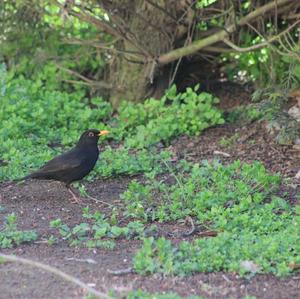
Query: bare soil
x=36 y=203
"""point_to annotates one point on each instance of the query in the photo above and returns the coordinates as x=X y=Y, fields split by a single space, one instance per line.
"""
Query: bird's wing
x=67 y=161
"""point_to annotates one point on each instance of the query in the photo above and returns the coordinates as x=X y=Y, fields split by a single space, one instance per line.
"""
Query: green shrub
x=203 y=192
x=273 y=252
x=145 y=295
x=238 y=202
x=10 y=236
x=37 y=124
x=97 y=230
x=125 y=161
x=189 y=113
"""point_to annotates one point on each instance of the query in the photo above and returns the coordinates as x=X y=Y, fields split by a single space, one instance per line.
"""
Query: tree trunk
x=151 y=30
x=156 y=39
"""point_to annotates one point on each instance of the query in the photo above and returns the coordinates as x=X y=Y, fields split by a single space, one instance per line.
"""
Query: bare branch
x=104 y=46
x=288 y=52
x=218 y=36
x=97 y=84
x=162 y=9
x=55 y=271
x=86 y=81
x=84 y=16
x=261 y=45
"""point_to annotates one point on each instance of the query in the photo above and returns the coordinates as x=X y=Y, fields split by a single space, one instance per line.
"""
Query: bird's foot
x=75 y=198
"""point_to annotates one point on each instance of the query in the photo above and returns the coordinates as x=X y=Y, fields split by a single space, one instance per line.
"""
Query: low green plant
x=244 y=113
x=37 y=123
x=201 y=191
x=273 y=252
x=142 y=125
x=125 y=161
x=237 y=201
x=97 y=231
x=139 y=294
x=229 y=141
x=10 y=235
x=268 y=102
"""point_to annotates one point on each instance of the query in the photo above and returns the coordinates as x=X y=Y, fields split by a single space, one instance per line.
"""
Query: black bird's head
x=90 y=137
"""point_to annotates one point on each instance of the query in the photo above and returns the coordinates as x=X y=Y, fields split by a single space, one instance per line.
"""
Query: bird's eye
x=91 y=134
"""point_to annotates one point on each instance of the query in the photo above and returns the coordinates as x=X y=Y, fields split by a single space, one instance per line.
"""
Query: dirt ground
x=36 y=203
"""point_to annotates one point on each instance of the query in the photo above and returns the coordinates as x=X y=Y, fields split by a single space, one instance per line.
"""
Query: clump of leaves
x=97 y=231
x=37 y=123
x=275 y=252
x=10 y=235
x=174 y=114
x=201 y=191
x=125 y=161
x=238 y=201
x=244 y=113
x=229 y=141
x=267 y=104
x=139 y=294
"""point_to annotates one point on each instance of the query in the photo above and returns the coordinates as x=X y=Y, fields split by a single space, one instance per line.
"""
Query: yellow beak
x=104 y=132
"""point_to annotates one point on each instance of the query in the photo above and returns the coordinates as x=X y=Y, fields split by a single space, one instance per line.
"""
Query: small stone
x=250 y=266
x=296 y=147
x=294 y=112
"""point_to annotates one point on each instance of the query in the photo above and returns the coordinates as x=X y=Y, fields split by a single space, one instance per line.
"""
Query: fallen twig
x=192 y=230
x=98 y=200
x=221 y=153
x=57 y=272
x=208 y=234
x=121 y=271
x=89 y=261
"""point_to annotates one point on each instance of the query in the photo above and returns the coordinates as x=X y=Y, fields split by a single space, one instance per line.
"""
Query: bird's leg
x=74 y=197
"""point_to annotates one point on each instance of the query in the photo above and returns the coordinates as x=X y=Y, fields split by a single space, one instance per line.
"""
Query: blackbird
x=74 y=164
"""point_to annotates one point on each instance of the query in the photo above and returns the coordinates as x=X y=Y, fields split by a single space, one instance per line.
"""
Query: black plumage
x=74 y=164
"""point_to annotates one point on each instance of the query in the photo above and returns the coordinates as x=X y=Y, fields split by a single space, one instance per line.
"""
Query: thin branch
x=217 y=49
x=99 y=84
x=290 y=53
x=86 y=81
x=262 y=10
x=130 y=36
x=74 y=73
x=188 y=39
x=103 y=46
x=55 y=271
x=82 y=15
x=186 y=11
x=91 y=42
x=218 y=36
x=162 y=9
x=261 y=45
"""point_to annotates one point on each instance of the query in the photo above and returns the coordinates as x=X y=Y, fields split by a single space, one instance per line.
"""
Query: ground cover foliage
x=40 y=122
x=50 y=94
x=254 y=230
x=236 y=201
x=11 y=236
